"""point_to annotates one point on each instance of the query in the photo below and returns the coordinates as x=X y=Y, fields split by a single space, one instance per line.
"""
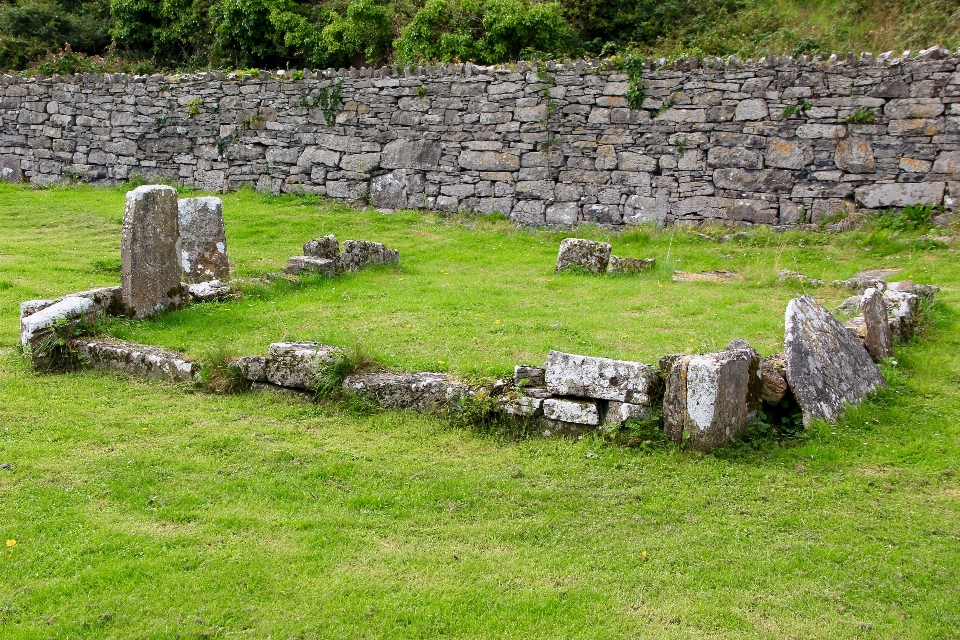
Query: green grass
x=150 y=510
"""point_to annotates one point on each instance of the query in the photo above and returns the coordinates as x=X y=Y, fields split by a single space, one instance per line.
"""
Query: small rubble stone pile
x=322 y=255
x=595 y=257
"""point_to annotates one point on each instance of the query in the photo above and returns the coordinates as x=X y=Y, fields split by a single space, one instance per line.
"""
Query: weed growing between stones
x=861 y=116
x=480 y=413
x=330 y=377
x=910 y=218
x=791 y=110
x=218 y=376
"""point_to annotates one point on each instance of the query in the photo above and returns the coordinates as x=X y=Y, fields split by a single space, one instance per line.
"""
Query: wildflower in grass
x=441 y=362
x=409 y=325
x=496 y=322
x=691 y=339
x=11 y=543
x=644 y=554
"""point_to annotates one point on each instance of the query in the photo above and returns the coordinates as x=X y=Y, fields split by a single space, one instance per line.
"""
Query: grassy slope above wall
x=147 y=510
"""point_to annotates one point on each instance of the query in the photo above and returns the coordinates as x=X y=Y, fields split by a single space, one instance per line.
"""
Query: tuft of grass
x=217 y=374
x=330 y=376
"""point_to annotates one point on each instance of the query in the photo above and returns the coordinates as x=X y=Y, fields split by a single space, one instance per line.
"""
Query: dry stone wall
x=774 y=142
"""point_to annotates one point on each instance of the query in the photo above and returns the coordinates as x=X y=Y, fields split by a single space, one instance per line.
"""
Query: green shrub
x=909 y=218
x=861 y=116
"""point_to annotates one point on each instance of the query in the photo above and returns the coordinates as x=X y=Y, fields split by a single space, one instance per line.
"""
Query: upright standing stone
x=879 y=339
x=826 y=365
x=149 y=251
x=203 y=243
x=708 y=397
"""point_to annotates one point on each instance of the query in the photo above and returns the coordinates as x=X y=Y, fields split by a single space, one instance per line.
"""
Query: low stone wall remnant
x=777 y=141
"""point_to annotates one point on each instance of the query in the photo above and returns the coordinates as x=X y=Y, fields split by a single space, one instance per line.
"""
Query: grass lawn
x=150 y=510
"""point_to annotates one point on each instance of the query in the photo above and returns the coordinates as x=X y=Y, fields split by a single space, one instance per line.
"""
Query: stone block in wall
x=620 y=413
x=406 y=153
x=724 y=157
x=646 y=209
x=149 y=251
x=603 y=213
x=601 y=378
x=252 y=368
x=753 y=180
x=10 y=170
x=914 y=127
x=707 y=397
x=913 y=108
x=947 y=162
x=313 y=155
x=203 y=241
x=144 y=361
x=588 y=255
x=534 y=376
x=821 y=131
x=901 y=194
x=488 y=161
x=574 y=411
x=629 y=161
x=855 y=155
x=562 y=213
x=529 y=213
x=752 y=109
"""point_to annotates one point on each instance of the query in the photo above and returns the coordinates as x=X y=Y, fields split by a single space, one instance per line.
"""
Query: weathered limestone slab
x=106 y=301
x=252 y=368
x=39 y=326
x=149 y=251
x=878 y=339
x=144 y=361
x=583 y=254
x=359 y=253
x=708 y=397
x=902 y=307
x=826 y=366
x=863 y=280
x=768 y=386
x=424 y=392
x=630 y=265
x=523 y=406
x=601 y=378
x=10 y=170
x=901 y=194
x=773 y=371
x=208 y=291
x=575 y=411
x=326 y=247
x=297 y=364
x=306 y=264
x=203 y=241
x=619 y=413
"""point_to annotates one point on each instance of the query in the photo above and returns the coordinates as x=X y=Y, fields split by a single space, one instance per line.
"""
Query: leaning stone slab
x=707 y=397
x=297 y=364
x=203 y=242
x=208 y=291
x=359 y=253
x=588 y=255
x=630 y=265
x=149 y=252
x=424 y=392
x=307 y=264
x=826 y=365
x=326 y=247
x=143 y=361
x=40 y=326
x=769 y=386
x=878 y=339
x=575 y=411
x=601 y=378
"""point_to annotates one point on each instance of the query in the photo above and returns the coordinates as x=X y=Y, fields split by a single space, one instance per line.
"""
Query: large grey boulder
x=583 y=254
x=143 y=361
x=601 y=378
x=827 y=367
x=359 y=253
x=298 y=364
x=149 y=251
x=423 y=392
x=707 y=399
x=878 y=339
x=203 y=241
